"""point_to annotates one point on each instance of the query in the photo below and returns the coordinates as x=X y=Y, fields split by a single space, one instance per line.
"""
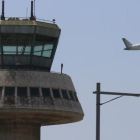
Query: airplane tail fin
x=127 y=43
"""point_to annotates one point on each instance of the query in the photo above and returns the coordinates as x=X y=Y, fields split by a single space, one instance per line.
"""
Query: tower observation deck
x=31 y=95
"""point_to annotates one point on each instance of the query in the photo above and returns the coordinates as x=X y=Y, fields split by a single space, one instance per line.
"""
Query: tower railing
x=28 y=19
x=35 y=70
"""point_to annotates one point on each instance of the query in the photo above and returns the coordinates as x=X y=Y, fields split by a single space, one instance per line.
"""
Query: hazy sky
x=92 y=51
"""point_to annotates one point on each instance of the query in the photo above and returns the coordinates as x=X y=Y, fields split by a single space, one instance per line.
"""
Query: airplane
x=130 y=46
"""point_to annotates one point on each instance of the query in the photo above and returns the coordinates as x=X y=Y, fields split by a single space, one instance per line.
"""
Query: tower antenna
x=34 y=7
x=2 y=15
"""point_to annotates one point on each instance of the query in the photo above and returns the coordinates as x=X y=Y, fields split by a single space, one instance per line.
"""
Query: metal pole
x=34 y=7
x=61 y=68
x=32 y=14
x=2 y=16
x=98 y=112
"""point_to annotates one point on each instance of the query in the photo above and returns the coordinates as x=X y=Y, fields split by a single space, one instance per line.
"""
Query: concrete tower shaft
x=19 y=132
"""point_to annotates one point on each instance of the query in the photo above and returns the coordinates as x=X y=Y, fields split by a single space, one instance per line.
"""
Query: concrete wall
x=35 y=79
x=38 y=110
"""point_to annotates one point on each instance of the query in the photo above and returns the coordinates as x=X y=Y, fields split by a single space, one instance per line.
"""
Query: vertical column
x=51 y=93
x=41 y=97
x=98 y=112
x=28 y=94
x=54 y=50
x=1 y=50
x=73 y=96
x=68 y=94
x=60 y=94
x=16 y=98
x=40 y=92
x=32 y=47
x=2 y=96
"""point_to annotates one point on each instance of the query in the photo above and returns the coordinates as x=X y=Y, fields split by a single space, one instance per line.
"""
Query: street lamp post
x=98 y=104
x=98 y=112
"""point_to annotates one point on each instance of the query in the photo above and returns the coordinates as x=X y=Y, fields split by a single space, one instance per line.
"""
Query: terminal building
x=31 y=95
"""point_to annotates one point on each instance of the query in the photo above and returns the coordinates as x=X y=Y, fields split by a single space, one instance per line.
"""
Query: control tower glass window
x=43 y=46
x=64 y=94
x=9 y=49
x=24 y=50
x=34 y=92
x=46 y=92
x=27 y=51
x=71 y=96
x=16 y=44
x=9 y=91
x=56 y=93
x=38 y=50
x=47 y=50
x=0 y=91
x=22 y=91
x=75 y=94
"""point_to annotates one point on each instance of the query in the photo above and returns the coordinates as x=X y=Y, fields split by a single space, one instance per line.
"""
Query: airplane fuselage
x=134 y=47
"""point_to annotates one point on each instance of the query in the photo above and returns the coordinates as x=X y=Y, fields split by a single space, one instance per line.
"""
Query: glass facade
x=24 y=50
x=9 y=49
x=43 y=46
x=21 y=45
x=16 y=44
x=27 y=51
x=17 y=50
x=44 y=50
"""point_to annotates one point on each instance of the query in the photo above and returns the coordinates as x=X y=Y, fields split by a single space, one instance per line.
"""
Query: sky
x=91 y=50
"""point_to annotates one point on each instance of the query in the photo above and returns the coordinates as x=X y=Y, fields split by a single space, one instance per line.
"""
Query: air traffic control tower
x=30 y=95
